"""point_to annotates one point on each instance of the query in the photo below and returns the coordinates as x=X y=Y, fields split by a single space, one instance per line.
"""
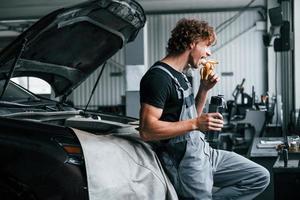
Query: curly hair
x=188 y=31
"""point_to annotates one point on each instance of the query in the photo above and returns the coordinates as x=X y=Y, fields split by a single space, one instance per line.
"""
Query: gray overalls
x=194 y=167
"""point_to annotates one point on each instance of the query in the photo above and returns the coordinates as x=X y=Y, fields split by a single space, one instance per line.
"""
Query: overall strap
x=179 y=88
x=186 y=80
x=187 y=95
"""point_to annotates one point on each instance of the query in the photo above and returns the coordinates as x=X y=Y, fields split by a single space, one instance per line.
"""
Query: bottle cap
x=217 y=100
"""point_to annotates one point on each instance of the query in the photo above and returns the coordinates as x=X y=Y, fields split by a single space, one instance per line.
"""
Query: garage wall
x=239 y=48
x=111 y=86
x=297 y=53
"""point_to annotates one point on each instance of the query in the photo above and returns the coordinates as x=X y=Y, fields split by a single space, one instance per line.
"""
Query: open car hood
x=66 y=46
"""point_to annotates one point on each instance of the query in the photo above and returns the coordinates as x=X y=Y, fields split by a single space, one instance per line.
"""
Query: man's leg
x=195 y=172
x=237 y=176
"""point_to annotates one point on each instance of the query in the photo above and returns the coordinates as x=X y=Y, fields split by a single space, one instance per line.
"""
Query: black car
x=51 y=150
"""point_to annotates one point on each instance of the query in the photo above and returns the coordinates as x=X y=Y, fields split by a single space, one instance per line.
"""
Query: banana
x=208 y=68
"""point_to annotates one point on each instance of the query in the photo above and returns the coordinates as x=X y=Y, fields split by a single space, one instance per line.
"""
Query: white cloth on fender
x=123 y=167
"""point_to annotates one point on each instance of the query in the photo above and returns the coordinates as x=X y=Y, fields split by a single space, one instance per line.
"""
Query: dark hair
x=188 y=31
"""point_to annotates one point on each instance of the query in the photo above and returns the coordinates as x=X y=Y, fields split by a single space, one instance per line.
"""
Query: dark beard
x=191 y=63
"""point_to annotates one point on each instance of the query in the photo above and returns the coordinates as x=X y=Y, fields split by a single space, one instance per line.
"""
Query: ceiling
x=191 y=5
x=32 y=9
x=17 y=15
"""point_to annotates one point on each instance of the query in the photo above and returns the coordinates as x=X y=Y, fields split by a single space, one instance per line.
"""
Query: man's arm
x=200 y=100
x=201 y=96
x=152 y=128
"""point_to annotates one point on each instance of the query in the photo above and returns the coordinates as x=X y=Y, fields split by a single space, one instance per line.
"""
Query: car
x=50 y=149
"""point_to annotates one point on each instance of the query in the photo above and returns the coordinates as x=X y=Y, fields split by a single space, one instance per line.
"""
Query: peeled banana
x=208 y=68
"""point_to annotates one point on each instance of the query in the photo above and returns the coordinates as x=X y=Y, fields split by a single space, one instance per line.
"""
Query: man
x=171 y=115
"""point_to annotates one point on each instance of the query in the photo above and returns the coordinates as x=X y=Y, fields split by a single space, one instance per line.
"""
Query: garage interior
x=258 y=72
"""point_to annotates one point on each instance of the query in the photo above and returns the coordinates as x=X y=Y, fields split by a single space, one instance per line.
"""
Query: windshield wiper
x=12 y=104
x=45 y=116
x=21 y=105
x=11 y=71
x=28 y=100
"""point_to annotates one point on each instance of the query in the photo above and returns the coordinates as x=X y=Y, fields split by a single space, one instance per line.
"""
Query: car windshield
x=15 y=93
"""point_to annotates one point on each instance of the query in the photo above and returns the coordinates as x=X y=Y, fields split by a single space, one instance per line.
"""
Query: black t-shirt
x=158 y=89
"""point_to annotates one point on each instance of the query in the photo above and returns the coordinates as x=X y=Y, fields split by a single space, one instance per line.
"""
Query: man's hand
x=205 y=86
x=212 y=80
x=210 y=122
